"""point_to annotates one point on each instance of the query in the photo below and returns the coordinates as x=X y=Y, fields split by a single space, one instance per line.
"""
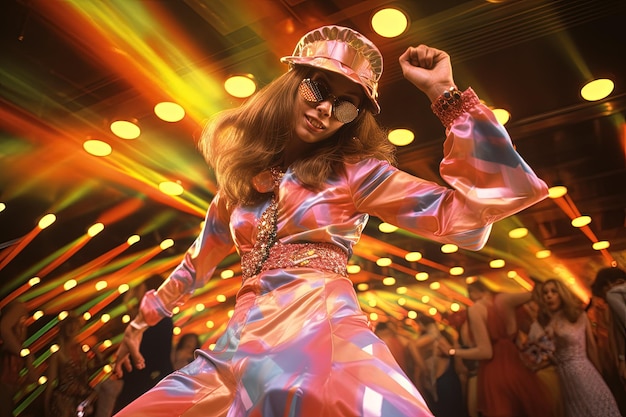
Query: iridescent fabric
x=298 y=343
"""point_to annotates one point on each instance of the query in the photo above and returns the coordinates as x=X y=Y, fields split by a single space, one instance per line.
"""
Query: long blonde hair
x=242 y=142
x=571 y=306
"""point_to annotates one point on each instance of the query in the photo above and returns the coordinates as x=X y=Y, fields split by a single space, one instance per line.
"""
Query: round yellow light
x=169 y=112
x=421 y=276
x=449 y=248
x=457 y=270
x=240 y=86
x=389 y=281
x=387 y=228
x=401 y=137
x=502 y=116
x=497 y=263
x=383 y=261
x=518 y=233
x=413 y=256
x=557 y=191
x=97 y=147
x=543 y=254
x=171 y=188
x=125 y=129
x=581 y=221
x=597 y=89
x=603 y=244
x=389 y=22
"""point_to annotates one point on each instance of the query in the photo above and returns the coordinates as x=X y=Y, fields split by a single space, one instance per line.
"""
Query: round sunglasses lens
x=345 y=111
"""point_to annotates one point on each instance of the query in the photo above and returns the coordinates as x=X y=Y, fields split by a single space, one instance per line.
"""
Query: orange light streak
x=82 y=241
x=13 y=252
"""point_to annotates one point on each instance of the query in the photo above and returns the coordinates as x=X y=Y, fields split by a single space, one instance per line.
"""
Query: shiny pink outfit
x=298 y=343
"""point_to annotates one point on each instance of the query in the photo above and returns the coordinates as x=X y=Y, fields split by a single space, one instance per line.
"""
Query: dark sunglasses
x=316 y=92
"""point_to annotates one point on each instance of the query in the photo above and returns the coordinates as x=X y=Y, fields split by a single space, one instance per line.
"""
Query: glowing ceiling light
x=125 y=129
x=97 y=147
x=176 y=310
x=24 y=352
x=227 y=273
x=597 y=89
x=107 y=369
x=123 y=288
x=166 y=244
x=512 y=274
x=171 y=188
x=401 y=137
x=449 y=248
x=133 y=239
x=389 y=281
x=502 y=116
x=581 y=221
x=2 y=206
x=33 y=281
x=543 y=254
x=209 y=324
x=412 y=314
x=85 y=348
x=518 y=233
x=54 y=348
x=603 y=244
x=169 y=112
x=230 y=313
x=354 y=269
x=363 y=286
x=240 y=86
x=389 y=22
x=69 y=284
x=383 y=261
x=42 y=380
x=413 y=256
x=199 y=307
x=86 y=316
x=387 y=228
x=497 y=263
x=421 y=276
x=125 y=318
x=432 y=311
x=457 y=270
x=37 y=315
x=373 y=316
x=455 y=307
x=177 y=330
x=371 y=302
x=557 y=191
x=434 y=285
x=401 y=290
x=47 y=220
x=401 y=301
x=425 y=299
x=221 y=298
x=469 y=280
x=95 y=229
x=105 y=318
x=100 y=285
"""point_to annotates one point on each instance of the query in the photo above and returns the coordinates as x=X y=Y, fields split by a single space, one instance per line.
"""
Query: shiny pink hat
x=344 y=51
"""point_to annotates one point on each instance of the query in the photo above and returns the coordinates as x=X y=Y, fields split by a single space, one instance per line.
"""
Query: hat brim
x=330 y=64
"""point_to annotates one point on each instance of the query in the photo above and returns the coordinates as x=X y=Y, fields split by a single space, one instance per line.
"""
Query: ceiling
x=69 y=68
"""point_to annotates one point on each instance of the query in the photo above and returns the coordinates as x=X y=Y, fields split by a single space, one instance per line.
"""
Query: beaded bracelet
x=452 y=103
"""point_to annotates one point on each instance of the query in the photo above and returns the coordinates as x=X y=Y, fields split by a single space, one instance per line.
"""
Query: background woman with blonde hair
x=585 y=392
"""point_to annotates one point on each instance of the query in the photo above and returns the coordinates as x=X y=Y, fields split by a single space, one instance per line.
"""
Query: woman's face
x=315 y=121
x=551 y=297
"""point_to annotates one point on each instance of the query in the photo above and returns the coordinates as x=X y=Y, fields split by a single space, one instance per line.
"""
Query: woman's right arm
x=197 y=266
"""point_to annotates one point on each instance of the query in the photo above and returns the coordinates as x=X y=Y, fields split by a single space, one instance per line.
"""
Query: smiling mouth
x=315 y=123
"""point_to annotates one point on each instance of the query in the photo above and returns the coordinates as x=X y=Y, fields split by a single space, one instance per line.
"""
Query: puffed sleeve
x=196 y=268
x=489 y=180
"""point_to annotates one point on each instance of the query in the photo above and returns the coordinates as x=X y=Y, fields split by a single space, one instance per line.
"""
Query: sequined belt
x=322 y=256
